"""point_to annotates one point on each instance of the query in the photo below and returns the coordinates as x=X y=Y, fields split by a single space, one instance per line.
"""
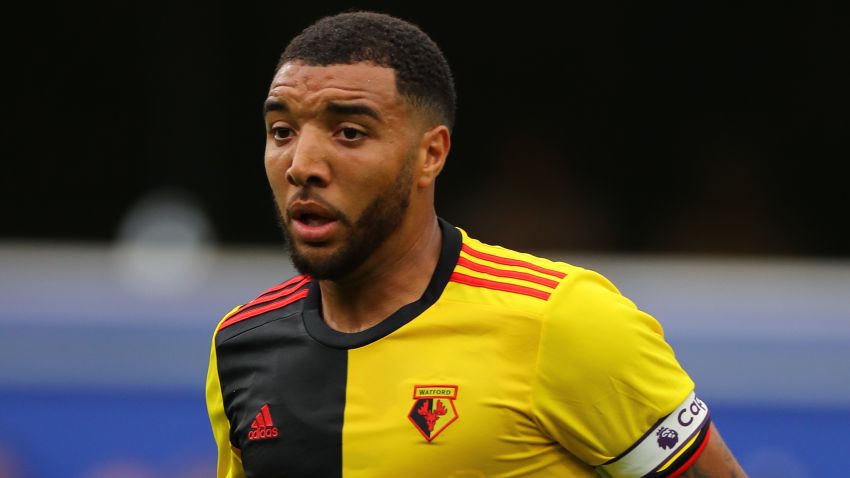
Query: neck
x=391 y=278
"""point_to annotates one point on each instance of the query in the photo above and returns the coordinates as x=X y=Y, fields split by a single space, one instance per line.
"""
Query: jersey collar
x=316 y=327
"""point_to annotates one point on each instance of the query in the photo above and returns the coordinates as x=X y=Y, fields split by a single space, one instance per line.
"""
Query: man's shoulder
x=274 y=301
x=512 y=257
x=513 y=275
x=524 y=274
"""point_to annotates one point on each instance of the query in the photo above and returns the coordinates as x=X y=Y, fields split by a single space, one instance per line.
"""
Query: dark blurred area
x=689 y=128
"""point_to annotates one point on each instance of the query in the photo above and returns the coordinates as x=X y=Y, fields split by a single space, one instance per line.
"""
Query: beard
x=376 y=224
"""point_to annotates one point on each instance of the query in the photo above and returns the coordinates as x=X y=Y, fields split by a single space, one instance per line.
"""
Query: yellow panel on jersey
x=493 y=434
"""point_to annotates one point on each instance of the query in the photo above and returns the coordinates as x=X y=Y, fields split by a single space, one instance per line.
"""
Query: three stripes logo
x=262 y=427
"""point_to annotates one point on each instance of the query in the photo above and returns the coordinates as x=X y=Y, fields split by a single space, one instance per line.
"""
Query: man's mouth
x=311 y=219
x=312 y=222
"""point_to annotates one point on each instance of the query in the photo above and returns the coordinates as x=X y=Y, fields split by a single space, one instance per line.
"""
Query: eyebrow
x=274 y=104
x=353 y=110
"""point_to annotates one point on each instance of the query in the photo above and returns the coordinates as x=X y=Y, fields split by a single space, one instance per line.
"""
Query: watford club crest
x=433 y=409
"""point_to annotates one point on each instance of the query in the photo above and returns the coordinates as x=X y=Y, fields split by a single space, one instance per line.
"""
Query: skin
x=716 y=461
x=345 y=162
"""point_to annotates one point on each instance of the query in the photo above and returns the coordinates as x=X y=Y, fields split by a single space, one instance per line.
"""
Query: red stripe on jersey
x=463 y=261
x=511 y=262
x=491 y=284
x=693 y=457
x=281 y=285
x=268 y=298
x=260 y=421
x=239 y=317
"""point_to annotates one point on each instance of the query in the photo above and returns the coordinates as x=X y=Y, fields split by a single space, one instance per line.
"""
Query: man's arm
x=229 y=458
x=715 y=461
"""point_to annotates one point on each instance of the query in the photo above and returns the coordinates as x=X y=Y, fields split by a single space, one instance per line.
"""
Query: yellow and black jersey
x=509 y=365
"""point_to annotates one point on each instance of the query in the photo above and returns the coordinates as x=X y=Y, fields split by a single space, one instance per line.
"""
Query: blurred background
x=695 y=154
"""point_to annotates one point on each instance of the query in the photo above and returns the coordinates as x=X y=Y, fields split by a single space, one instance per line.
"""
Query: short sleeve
x=606 y=379
x=229 y=458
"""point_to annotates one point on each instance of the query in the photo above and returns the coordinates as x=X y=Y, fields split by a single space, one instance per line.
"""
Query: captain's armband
x=672 y=444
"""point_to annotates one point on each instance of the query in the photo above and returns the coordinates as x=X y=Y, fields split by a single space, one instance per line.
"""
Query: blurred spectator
x=120 y=469
x=727 y=208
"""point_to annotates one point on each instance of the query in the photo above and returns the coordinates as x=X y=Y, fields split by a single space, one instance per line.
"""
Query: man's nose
x=310 y=166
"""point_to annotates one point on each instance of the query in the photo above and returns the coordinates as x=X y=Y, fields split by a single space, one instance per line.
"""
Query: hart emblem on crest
x=433 y=409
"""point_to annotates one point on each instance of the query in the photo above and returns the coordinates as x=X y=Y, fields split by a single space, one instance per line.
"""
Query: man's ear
x=435 y=146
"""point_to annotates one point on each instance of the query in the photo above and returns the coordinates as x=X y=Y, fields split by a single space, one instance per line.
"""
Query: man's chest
x=418 y=402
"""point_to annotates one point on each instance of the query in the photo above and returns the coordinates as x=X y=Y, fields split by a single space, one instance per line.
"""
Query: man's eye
x=281 y=132
x=352 y=134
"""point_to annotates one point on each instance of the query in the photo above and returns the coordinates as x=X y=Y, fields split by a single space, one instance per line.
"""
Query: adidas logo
x=262 y=427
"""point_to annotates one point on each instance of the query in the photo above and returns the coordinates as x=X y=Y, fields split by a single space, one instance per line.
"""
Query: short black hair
x=422 y=72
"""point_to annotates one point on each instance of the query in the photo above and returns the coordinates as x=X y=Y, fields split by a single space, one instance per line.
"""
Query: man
x=407 y=348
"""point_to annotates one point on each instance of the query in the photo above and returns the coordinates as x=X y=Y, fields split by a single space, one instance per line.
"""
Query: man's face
x=340 y=148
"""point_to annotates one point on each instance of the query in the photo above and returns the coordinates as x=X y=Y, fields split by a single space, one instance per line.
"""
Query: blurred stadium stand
x=100 y=377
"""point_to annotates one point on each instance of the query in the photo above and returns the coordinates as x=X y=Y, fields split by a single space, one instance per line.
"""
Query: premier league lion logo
x=667 y=438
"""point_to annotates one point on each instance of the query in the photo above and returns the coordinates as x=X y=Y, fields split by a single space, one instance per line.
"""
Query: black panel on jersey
x=270 y=359
x=315 y=325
